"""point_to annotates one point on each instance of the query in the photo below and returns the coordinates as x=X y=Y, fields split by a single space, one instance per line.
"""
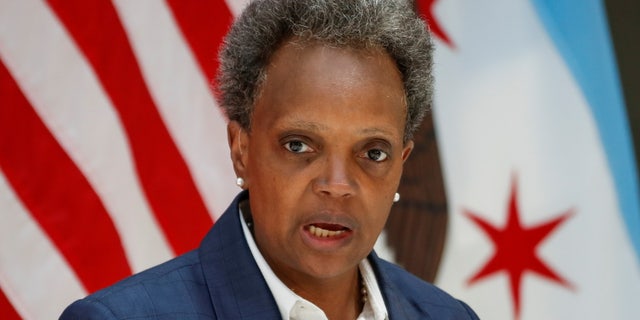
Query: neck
x=340 y=298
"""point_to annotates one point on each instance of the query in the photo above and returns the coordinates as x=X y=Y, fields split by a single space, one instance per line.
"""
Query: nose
x=335 y=178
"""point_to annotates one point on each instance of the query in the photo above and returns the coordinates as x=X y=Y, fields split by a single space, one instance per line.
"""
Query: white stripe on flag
x=34 y=275
x=39 y=52
x=183 y=97
x=506 y=106
x=236 y=6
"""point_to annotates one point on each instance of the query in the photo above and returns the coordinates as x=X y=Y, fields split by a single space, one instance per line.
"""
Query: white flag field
x=114 y=157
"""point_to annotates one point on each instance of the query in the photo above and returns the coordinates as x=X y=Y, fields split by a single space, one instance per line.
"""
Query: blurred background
x=521 y=197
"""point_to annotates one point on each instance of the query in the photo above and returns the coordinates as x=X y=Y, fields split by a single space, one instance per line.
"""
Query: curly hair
x=362 y=24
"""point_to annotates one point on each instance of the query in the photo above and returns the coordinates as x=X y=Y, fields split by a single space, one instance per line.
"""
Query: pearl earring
x=396 y=197
x=240 y=182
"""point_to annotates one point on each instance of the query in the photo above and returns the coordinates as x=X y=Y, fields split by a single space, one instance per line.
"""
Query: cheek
x=272 y=167
x=374 y=223
x=379 y=195
x=272 y=218
x=386 y=182
x=274 y=195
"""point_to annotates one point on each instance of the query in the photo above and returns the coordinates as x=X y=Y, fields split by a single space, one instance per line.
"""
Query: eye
x=297 y=146
x=377 y=155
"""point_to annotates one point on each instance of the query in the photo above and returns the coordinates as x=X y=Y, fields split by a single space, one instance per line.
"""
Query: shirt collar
x=290 y=303
x=374 y=308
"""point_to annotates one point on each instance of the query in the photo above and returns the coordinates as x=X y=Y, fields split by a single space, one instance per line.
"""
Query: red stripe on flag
x=204 y=25
x=7 y=312
x=164 y=175
x=56 y=193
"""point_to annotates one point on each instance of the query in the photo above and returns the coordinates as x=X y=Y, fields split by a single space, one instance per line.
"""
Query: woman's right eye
x=297 y=146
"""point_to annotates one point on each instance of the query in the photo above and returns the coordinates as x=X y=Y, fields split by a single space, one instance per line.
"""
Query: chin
x=328 y=267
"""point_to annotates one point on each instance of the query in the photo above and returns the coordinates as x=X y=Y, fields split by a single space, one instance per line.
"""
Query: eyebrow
x=308 y=125
x=374 y=131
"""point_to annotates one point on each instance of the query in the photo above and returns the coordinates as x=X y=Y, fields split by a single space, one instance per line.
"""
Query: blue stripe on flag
x=580 y=31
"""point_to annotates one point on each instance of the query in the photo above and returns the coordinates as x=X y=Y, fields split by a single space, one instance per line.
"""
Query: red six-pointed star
x=426 y=8
x=515 y=249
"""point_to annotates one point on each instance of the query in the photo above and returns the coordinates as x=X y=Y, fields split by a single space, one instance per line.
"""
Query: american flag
x=113 y=152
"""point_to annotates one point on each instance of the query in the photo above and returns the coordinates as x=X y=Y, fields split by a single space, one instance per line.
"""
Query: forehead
x=317 y=84
x=306 y=58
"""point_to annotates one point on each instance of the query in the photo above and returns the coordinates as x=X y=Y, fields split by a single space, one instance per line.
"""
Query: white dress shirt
x=294 y=307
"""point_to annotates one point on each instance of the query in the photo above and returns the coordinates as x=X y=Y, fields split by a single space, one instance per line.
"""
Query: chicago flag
x=538 y=161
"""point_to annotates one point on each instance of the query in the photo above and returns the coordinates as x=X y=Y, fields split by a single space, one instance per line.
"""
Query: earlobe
x=406 y=151
x=238 y=140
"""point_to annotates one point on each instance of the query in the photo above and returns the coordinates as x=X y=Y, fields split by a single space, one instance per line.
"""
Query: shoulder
x=416 y=296
x=173 y=289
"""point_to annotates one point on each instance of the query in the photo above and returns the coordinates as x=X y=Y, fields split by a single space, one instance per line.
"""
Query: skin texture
x=325 y=149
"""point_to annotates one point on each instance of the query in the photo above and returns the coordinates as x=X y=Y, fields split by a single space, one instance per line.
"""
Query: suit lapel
x=395 y=299
x=236 y=286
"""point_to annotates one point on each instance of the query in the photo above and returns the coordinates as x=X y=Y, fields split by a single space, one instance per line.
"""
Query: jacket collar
x=236 y=286
x=398 y=307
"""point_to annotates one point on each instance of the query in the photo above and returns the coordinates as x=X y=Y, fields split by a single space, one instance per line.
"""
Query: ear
x=238 y=139
x=406 y=151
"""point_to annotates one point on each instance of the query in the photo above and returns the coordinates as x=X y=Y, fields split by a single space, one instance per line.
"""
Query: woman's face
x=323 y=158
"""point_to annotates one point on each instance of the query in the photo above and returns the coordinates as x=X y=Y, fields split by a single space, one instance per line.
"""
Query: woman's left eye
x=297 y=146
x=377 y=155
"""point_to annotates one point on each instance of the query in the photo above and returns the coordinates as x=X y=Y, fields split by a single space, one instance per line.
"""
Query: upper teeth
x=319 y=232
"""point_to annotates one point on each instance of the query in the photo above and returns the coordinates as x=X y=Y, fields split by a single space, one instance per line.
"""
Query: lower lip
x=326 y=243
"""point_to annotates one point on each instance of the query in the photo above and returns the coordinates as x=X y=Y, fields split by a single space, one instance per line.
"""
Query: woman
x=323 y=98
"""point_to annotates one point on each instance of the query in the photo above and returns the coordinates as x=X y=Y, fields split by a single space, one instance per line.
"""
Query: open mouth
x=323 y=230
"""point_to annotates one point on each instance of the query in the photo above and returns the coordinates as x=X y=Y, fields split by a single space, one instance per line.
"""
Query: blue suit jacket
x=221 y=280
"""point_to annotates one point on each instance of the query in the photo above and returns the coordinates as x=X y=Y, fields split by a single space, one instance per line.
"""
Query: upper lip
x=334 y=218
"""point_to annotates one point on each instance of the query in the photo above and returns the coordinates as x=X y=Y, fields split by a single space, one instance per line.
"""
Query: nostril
x=334 y=179
x=333 y=189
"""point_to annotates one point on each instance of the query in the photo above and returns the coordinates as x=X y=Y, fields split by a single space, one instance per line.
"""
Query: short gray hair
x=266 y=24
